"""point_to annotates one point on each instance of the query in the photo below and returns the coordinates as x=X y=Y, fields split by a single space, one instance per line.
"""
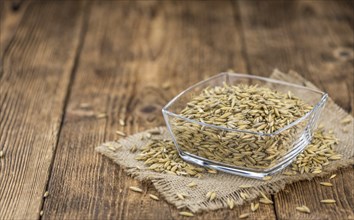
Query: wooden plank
x=126 y=59
x=33 y=85
x=10 y=16
x=310 y=193
x=291 y=36
x=307 y=36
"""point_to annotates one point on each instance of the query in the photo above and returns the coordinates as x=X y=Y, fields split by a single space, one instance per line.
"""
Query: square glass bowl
x=239 y=151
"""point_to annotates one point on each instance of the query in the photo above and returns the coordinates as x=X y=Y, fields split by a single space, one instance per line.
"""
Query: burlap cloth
x=227 y=185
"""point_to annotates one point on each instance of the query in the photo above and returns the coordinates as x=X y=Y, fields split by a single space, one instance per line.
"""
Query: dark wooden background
x=115 y=55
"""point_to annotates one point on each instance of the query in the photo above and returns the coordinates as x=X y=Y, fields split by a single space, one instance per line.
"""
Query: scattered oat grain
x=303 y=209
x=161 y=156
x=188 y=214
x=154 y=197
x=180 y=196
x=265 y=201
x=244 y=195
x=212 y=171
x=326 y=184
x=254 y=206
x=316 y=171
x=320 y=126
x=121 y=133
x=288 y=173
x=334 y=175
x=208 y=194
x=264 y=196
x=328 y=201
x=317 y=154
x=212 y=196
x=244 y=215
x=192 y=184
x=136 y=189
x=267 y=178
x=230 y=203
x=244 y=186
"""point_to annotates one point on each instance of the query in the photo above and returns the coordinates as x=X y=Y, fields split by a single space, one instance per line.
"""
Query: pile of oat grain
x=243 y=107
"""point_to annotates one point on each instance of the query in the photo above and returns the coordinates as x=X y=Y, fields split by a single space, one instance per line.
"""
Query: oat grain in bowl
x=243 y=124
x=252 y=108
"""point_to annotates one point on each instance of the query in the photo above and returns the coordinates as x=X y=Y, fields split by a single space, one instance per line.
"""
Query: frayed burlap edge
x=226 y=185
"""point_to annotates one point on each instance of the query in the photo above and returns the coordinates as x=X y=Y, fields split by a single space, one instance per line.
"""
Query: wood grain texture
x=10 y=16
x=314 y=38
x=130 y=49
x=121 y=71
x=34 y=79
x=306 y=36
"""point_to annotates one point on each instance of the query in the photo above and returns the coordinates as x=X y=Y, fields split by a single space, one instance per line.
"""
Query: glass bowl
x=241 y=151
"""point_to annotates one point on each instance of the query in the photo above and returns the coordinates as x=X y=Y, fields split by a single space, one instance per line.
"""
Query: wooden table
x=115 y=56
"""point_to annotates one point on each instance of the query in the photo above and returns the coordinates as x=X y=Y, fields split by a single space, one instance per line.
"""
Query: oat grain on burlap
x=226 y=185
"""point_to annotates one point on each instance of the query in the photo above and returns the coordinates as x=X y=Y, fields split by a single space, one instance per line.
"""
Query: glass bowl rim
x=318 y=105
